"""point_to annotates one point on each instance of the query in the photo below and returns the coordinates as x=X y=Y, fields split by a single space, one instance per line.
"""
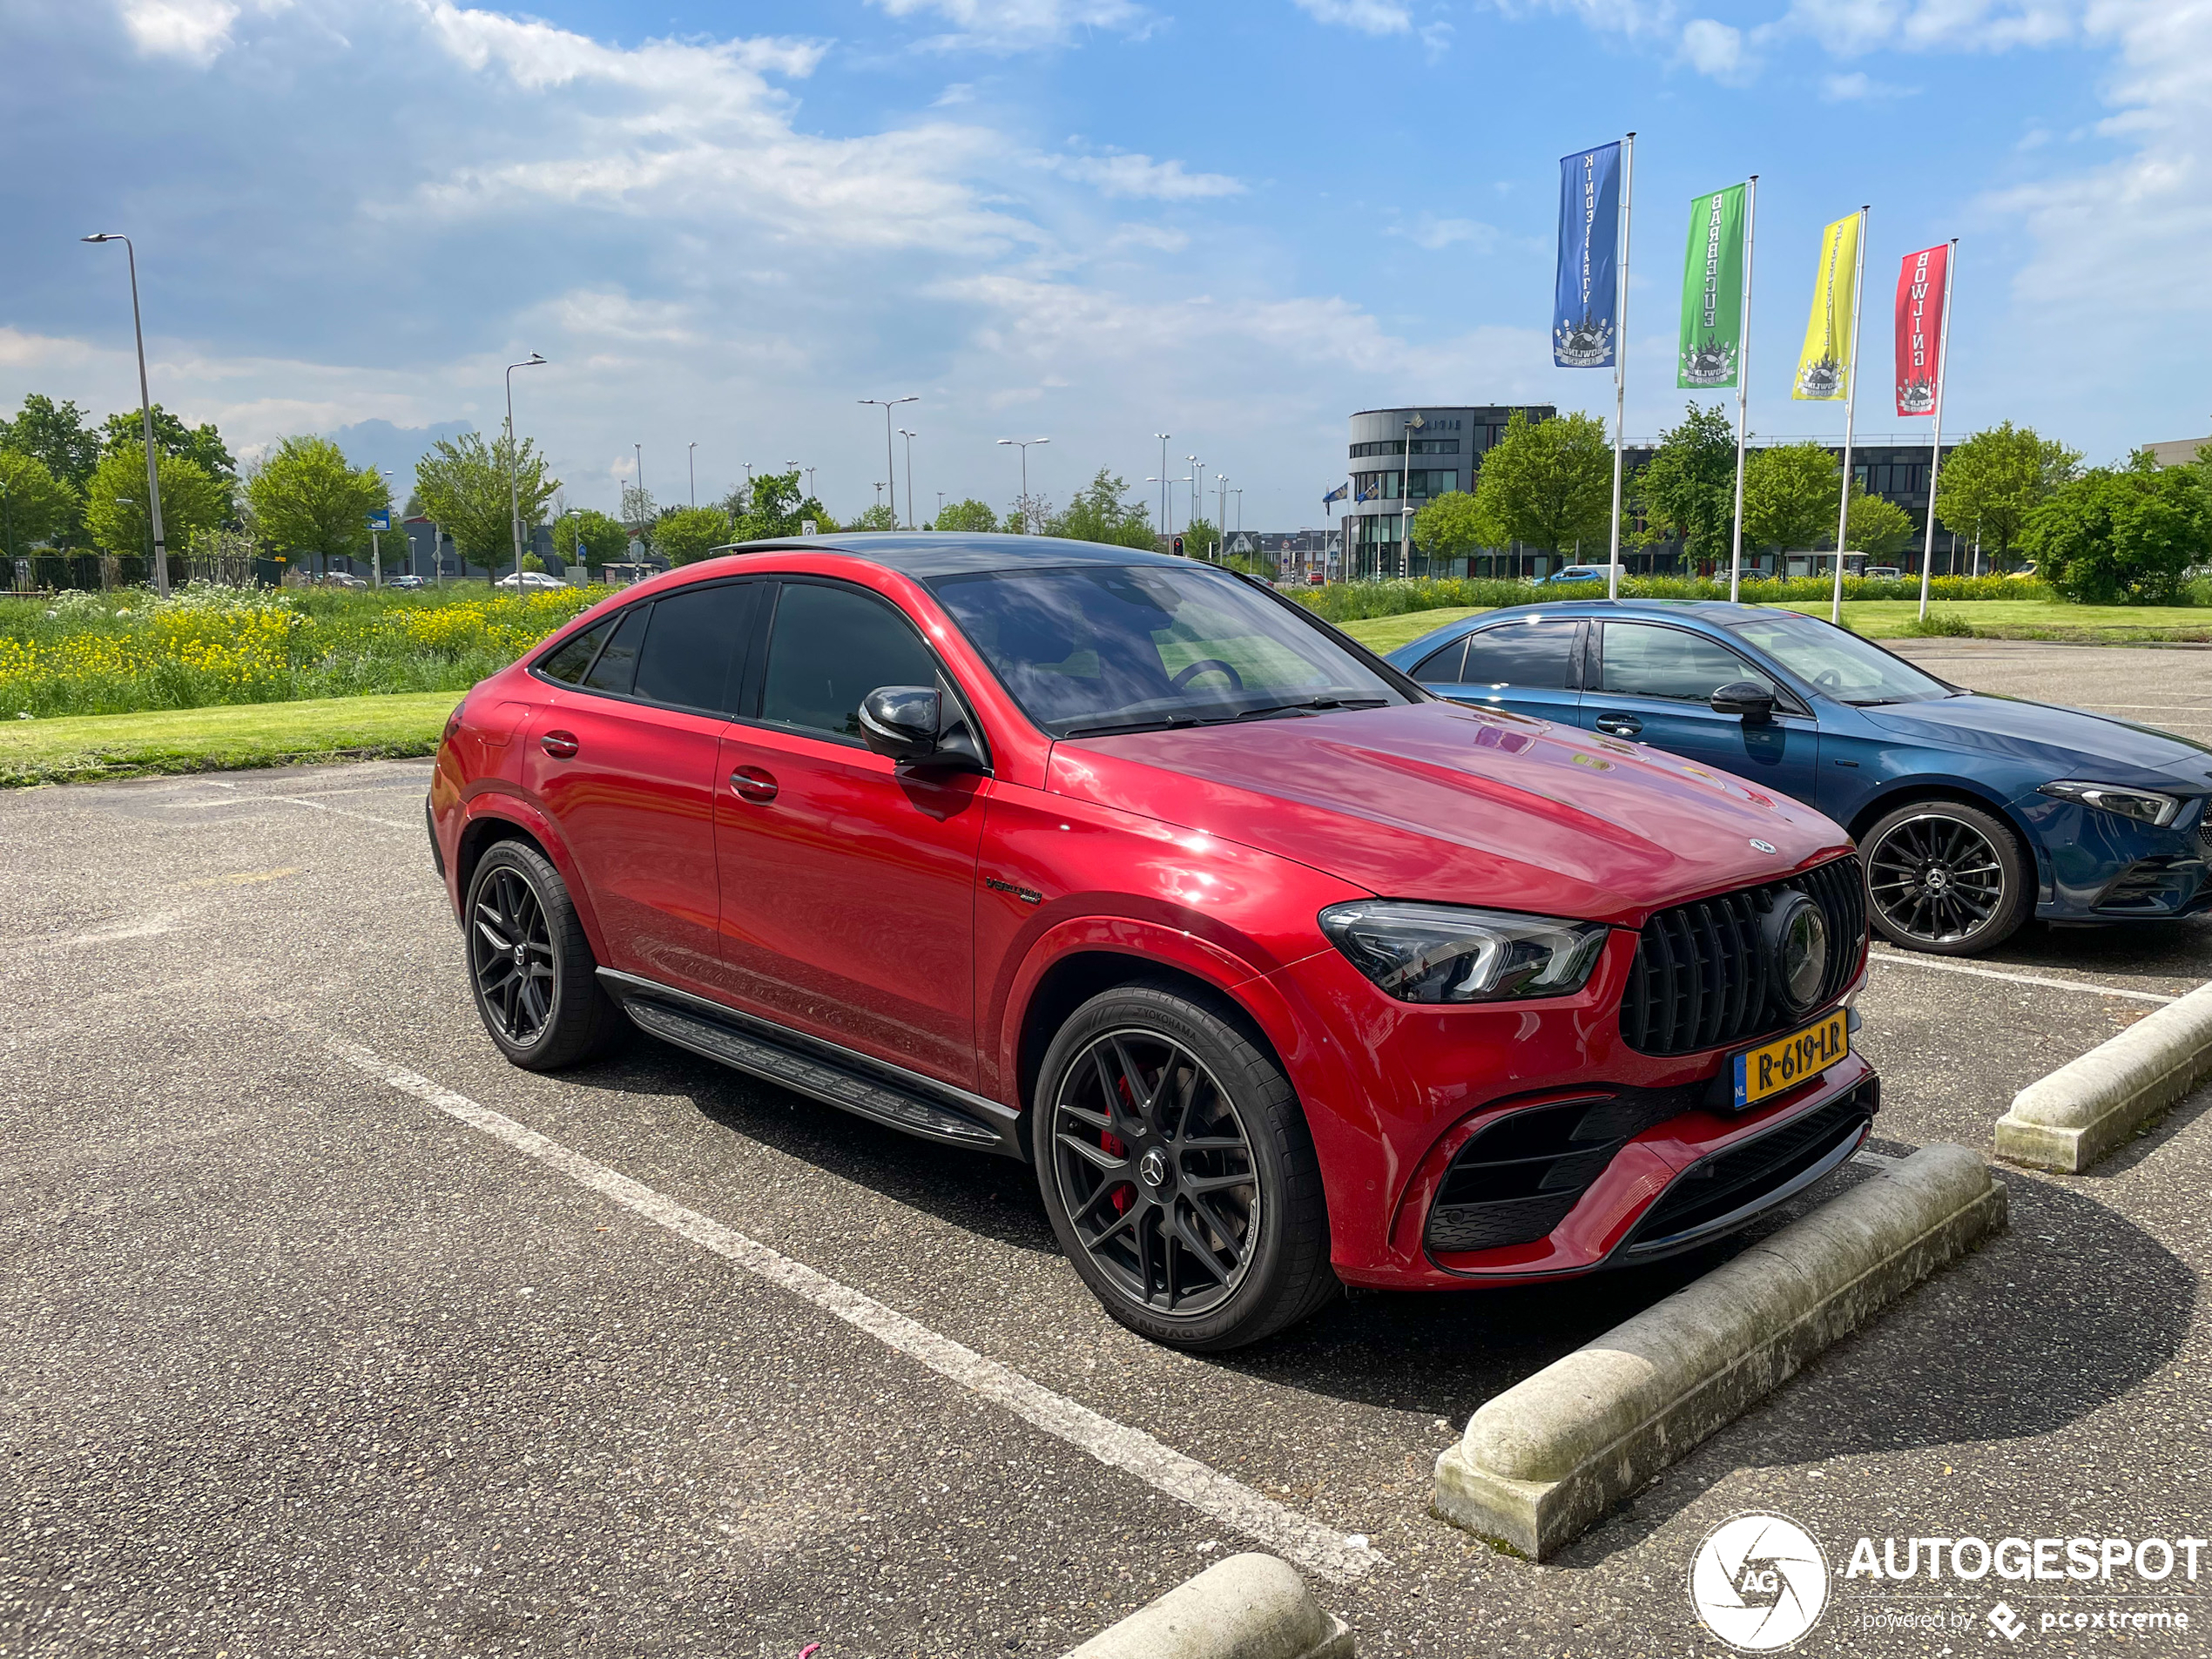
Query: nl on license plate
x=1787 y=1062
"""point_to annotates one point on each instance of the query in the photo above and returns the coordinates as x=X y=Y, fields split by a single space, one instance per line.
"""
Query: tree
x=35 y=505
x=1689 y=487
x=690 y=533
x=306 y=496
x=2121 y=535
x=1100 y=512
x=1454 y=524
x=115 y=506
x=463 y=485
x=1998 y=478
x=772 y=509
x=1548 y=483
x=1199 y=539
x=590 y=537
x=878 y=517
x=201 y=445
x=56 y=434
x=1876 y=527
x=1790 y=496
x=970 y=515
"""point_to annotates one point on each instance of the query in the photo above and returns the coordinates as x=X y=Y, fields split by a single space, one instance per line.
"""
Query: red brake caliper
x=1111 y=1144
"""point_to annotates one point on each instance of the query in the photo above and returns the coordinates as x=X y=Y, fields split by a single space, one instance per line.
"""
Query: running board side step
x=852 y=1082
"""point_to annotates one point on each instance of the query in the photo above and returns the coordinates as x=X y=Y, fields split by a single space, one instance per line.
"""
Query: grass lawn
x=235 y=735
x=1887 y=619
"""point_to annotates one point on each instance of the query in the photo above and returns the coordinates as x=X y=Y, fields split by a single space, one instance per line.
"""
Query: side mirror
x=1747 y=698
x=900 y=721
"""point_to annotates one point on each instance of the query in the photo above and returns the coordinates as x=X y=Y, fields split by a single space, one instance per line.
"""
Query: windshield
x=1839 y=664
x=1089 y=649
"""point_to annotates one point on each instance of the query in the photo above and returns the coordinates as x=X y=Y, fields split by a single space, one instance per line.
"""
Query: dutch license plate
x=1786 y=1061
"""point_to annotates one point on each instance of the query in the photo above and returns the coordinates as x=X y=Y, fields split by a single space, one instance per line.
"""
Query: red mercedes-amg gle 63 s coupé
x=1281 y=972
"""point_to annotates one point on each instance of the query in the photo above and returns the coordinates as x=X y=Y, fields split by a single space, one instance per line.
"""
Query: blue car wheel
x=1946 y=878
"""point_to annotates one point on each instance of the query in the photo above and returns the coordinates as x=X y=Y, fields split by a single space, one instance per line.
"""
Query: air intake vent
x=1516 y=1179
x=1748 y=1176
x=1700 y=980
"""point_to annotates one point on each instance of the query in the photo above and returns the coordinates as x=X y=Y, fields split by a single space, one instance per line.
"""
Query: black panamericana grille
x=1728 y=1181
x=1700 y=978
x=1516 y=1179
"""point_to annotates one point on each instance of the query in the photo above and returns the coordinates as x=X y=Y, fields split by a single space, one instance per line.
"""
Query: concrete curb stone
x=1541 y=1461
x=2067 y=1121
x=1248 y=1606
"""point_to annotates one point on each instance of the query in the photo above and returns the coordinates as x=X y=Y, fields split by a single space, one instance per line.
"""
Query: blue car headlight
x=1437 y=952
x=2144 y=806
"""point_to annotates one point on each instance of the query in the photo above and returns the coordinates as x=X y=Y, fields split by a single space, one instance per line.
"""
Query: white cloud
x=1857 y=87
x=1431 y=232
x=1368 y=17
x=1436 y=40
x=1016 y=25
x=1714 y=49
x=194 y=29
x=1852 y=27
x=1141 y=176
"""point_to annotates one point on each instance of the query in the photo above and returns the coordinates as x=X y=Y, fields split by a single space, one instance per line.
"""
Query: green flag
x=1712 y=291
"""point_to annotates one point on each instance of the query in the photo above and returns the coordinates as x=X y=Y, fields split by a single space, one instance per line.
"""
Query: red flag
x=1920 y=323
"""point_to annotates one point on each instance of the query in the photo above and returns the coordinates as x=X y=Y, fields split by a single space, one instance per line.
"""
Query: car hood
x=2062 y=742
x=1434 y=800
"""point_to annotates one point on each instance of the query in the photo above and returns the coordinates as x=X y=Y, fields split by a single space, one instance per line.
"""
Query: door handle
x=754 y=784
x=1619 y=725
x=562 y=745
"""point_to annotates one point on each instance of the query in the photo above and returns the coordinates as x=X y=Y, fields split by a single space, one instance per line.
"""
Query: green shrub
x=1355 y=600
x=1940 y=624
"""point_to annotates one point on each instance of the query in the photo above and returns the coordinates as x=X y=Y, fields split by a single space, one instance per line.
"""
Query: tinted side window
x=567 y=663
x=1645 y=661
x=1539 y=655
x=1442 y=667
x=691 y=654
x=618 y=662
x=828 y=649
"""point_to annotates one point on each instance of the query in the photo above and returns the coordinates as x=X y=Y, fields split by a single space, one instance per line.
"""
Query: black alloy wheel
x=1946 y=878
x=530 y=966
x=1178 y=1171
x=1156 y=1173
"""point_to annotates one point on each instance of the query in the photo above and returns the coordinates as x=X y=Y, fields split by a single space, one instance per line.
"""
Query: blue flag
x=1585 y=295
x=1336 y=495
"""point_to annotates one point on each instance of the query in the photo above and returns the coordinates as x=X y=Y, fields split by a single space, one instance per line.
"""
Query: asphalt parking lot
x=309 y=1355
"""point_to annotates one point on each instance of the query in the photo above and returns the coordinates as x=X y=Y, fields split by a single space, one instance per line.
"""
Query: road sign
x=381 y=519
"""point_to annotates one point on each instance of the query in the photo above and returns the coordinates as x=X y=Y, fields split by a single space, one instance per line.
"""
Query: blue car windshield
x=1090 y=650
x=1839 y=664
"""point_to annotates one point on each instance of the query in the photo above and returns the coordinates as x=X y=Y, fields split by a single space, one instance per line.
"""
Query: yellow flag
x=1824 y=366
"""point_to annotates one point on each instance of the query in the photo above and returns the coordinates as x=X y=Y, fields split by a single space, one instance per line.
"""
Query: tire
x=1195 y=1100
x=531 y=968
x=1946 y=878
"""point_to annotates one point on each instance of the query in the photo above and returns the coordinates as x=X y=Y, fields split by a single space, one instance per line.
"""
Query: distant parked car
x=2025 y=573
x=408 y=583
x=1972 y=812
x=528 y=579
x=340 y=579
x=1575 y=573
x=1884 y=573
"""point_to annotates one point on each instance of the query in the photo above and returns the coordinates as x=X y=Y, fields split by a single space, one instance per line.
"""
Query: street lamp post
x=909 y=437
x=377 y=547
x=1166 y=528
x=888 y=404
x=513 y=468
x=691 y=460
x=145 y=415
x=1406 y=499
x=1197 y=472
x=1022 y=444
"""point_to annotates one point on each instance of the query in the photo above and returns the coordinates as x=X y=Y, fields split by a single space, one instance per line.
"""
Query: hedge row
x=1354 y=601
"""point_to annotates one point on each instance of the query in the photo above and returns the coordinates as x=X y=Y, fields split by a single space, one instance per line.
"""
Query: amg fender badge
x=1027 y=896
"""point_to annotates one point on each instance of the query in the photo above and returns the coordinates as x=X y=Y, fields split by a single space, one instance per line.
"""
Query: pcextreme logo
x=1758 y=1582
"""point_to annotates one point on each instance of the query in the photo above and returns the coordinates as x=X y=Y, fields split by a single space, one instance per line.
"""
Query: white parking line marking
x=316 y=806
x=1299 y=1538
x=2016 y=979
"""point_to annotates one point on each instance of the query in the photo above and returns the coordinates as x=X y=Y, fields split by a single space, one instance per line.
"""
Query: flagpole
x=1743 y=385
x=1850 y=409
x=1935 y=444
x=1621 y=358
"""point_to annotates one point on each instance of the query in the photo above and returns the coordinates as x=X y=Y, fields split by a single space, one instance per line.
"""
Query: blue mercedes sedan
x=1972 y=812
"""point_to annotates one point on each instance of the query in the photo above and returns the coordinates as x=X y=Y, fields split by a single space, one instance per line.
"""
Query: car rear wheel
x=1178 y=1171
x=1946 y=878
x=537 y=985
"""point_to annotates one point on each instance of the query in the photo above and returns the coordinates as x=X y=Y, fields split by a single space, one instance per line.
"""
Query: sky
x=1087 y=220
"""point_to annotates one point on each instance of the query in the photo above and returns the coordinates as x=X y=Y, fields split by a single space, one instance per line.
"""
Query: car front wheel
x=1946 y=878
x=530 y=966
x=1178 y=1171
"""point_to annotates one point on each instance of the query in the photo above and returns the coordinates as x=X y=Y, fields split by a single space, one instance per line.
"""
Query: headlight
x=1435 y=952
x=2146 y=806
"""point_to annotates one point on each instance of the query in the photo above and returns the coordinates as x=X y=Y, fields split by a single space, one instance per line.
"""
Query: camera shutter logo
x=1758 y=1582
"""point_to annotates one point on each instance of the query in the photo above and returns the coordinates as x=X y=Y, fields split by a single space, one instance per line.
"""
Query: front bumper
x=1396 y=1090
x=2098 y=866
